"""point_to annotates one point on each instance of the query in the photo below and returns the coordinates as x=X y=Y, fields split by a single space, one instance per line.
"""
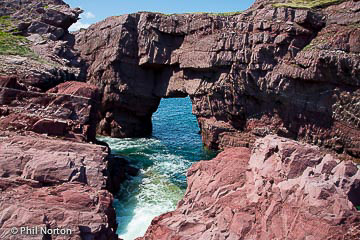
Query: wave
x=163 y=160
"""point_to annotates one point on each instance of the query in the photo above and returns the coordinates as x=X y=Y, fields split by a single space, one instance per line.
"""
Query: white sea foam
x=163 y=160
x=145 y=197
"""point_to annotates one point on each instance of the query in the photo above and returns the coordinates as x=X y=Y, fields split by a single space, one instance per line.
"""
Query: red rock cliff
x=50 y=174
x=269 y=70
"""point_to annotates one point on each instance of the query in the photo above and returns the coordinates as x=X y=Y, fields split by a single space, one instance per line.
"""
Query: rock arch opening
x=163 y=159
x=247 y=76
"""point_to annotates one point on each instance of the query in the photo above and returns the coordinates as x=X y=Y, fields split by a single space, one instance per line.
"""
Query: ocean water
x=163 y=159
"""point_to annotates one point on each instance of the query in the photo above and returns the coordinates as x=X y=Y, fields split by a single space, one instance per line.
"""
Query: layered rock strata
x=51 y=176
x=44 y=56
x=69 y=110
x=269 y=70
x=281 y=189
x=52 y=183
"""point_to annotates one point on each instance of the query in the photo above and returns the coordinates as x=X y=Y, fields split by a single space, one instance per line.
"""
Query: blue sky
x=96 y=10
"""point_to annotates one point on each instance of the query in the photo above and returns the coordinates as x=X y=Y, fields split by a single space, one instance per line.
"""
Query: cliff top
x=307 y=4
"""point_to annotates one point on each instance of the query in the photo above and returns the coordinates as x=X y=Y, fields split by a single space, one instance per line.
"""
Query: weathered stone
x=49 y=62
x=68 y=110
x=281 y=189
x=87 y=212
x=50 y=176
x=52 y=161
x=7 y=95
x=265 y=71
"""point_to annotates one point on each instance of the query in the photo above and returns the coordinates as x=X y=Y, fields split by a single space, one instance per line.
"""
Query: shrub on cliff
x=307 y=3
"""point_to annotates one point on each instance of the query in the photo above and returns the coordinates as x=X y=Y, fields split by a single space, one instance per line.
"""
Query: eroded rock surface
x=282 y=189
x=86 y=211
x=50 y=58
x=268 y=70
x=52 y=161
x=50 y=175
x=69 y=110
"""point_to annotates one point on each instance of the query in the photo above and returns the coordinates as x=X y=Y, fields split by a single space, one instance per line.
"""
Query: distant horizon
x=95 y=11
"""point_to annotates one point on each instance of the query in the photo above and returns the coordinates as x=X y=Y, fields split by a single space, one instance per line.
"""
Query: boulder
x=52 y=161
x=50 y=127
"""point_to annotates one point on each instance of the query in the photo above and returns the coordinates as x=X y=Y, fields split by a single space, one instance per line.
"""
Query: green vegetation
x=308 y=47
x=358 y=208
x=211 y=14
x=14 y=45
x=11 y=44
x=6 y=23
x=307 y=3
x=224 y=14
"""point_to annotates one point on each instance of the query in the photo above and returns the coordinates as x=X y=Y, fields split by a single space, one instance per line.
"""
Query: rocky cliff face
x=280 y=190
x=269 y=70
x=54 y=183
x=69 y=110
x=37 y=46
x=50 y=174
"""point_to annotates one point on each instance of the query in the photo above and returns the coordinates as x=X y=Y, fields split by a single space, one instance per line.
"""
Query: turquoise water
x=163 y=159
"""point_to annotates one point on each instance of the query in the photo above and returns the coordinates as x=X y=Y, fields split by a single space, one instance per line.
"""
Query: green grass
x=6 y=23
x=308 y=4
x=210 y=14
x=224 y=14
x=14 y=45
x=308 y=47
x=11 y=44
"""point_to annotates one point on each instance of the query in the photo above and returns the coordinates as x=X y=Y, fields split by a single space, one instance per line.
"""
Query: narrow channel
x=163 y=159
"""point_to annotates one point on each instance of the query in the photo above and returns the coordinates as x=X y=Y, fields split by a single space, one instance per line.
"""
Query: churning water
x=163 y=159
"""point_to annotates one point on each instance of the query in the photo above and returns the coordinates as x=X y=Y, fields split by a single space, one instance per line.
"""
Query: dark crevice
x=118 y=170
x=354 y=194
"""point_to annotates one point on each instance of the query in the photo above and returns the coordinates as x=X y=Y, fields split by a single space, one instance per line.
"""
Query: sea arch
x=244 y=74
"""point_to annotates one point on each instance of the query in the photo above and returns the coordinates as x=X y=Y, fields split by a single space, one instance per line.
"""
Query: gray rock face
x=281 y=189
x=290 y=72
